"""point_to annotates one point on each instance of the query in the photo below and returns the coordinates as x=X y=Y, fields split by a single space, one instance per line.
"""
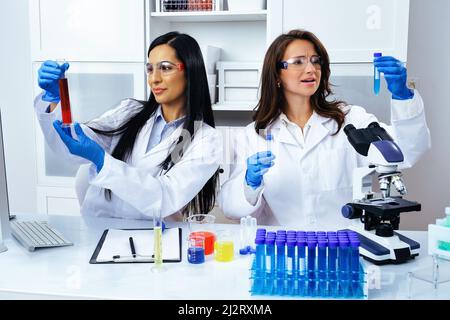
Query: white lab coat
x=309 y=183
x=138 y=186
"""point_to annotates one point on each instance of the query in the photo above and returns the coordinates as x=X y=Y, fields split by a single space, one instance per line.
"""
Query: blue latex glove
x=257 y=165
x=84 y=147
x=395 y=75
x=48 y=75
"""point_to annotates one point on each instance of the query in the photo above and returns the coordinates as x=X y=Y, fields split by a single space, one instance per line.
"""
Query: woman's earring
x=278 y=84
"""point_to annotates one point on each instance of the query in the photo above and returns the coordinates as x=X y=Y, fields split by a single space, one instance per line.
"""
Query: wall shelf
x=210 y=16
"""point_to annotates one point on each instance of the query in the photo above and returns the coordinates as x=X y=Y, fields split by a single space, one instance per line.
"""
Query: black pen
x=133 y=250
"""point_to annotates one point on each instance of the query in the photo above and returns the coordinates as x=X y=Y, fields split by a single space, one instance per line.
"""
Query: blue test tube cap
x=261 y=231
x=270 y=241
x=301 y=233
x=301 y=242
x=280 y=242
x=291 y=242
x=311 y=243
x=333 y=243
x=260 y=240
x=377 y=54
x=344 y=243
x=269 y=136
x=355 y=243
x=322 y=243
x=321 y=233
x=270 y=234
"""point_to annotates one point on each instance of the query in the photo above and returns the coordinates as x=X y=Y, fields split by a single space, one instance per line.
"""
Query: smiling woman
x=162 y=154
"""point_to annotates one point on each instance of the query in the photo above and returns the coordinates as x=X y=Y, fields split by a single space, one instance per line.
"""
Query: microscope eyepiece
x=374 y=125
x=349 y=128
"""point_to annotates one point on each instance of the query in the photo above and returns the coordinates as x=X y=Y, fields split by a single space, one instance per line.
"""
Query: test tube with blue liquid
x=354 y=266
x=291 y=265
x=270 y=263
x=269 y=140
x=322 y=265
x=301 y=257
x=260 y=263
x=281 y=263
x=344 y=265
x=376 y=75
x=311 y=272
x=332 y=266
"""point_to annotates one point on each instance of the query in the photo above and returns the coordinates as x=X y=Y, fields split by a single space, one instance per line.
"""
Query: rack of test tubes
x=308 y=264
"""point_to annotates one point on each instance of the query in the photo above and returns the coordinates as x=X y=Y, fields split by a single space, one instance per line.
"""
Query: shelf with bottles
x=208 y=11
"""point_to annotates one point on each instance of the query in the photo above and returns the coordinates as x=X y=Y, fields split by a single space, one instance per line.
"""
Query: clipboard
x=176 y=239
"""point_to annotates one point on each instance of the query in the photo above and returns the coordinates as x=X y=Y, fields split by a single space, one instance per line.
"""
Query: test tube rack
x=318 y=283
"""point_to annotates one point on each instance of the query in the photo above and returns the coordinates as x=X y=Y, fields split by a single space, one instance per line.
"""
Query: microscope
x=379 y=212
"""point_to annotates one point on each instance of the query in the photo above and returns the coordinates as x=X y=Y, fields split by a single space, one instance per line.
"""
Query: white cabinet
x=94 y=88
x=86 y=30
x=352 y=30
x=242 y=36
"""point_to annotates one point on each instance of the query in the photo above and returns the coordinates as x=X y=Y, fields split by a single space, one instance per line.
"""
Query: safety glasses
x=300 y=63
x=166 y=67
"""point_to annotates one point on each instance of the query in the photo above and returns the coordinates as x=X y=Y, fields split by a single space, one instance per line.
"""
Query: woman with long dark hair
x=306 y=177
x=161 y=154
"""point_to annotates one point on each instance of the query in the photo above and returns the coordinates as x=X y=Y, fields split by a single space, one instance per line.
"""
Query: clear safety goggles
x=300 y=63
x=165 y=67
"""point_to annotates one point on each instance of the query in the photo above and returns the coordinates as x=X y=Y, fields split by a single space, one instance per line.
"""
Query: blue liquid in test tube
x=312 y=288
x=322 y=265
x=332 y=266
x=354 y=266
x=260 y=264
x=269 y=140
x=301 y=256
x=291 y=266
x=281 y=264
x=376 y=76
x=270 y=264
x=344 y=266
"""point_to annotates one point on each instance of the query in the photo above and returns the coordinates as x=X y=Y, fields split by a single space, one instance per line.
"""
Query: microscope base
x=386 y=250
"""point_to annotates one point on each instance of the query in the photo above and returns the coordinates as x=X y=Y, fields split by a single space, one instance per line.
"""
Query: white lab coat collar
x=321 y=127
x=140 y=149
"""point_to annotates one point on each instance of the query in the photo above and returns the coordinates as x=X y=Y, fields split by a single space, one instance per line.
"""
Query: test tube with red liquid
x=65 y=102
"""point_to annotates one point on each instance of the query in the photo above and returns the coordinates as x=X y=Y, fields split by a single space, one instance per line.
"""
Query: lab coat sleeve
x=408 y=128
x=107 y=121
x=253 y=195
x=169 y=192
x=234 y=199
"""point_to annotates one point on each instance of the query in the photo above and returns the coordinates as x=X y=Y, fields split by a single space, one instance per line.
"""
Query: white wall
x=15 y=94
x=429 y=61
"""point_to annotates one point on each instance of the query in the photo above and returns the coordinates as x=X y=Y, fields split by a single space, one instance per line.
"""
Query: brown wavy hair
x=272 y=100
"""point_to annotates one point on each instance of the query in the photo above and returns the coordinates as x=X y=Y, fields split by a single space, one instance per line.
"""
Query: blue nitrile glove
x=257 y=165
x=84 y=147
x=48 y=75
x=395 y=75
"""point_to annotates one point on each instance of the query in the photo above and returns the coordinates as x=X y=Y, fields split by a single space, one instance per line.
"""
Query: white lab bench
x=65 y=272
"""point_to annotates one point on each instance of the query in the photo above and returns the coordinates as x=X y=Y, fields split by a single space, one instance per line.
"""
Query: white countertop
x=65 y=272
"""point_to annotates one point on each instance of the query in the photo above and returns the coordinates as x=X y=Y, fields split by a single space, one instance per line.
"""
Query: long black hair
x=197 y=108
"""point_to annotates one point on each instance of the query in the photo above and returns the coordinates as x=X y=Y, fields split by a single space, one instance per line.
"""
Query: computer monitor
x=4 y=205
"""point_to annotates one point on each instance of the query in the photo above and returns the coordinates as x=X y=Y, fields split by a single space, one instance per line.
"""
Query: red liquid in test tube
x=65 y=102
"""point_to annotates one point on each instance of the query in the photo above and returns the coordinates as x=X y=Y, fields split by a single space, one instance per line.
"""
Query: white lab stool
x=435 y=276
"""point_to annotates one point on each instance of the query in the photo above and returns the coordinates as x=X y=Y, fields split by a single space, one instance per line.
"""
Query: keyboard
x=37 y=234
